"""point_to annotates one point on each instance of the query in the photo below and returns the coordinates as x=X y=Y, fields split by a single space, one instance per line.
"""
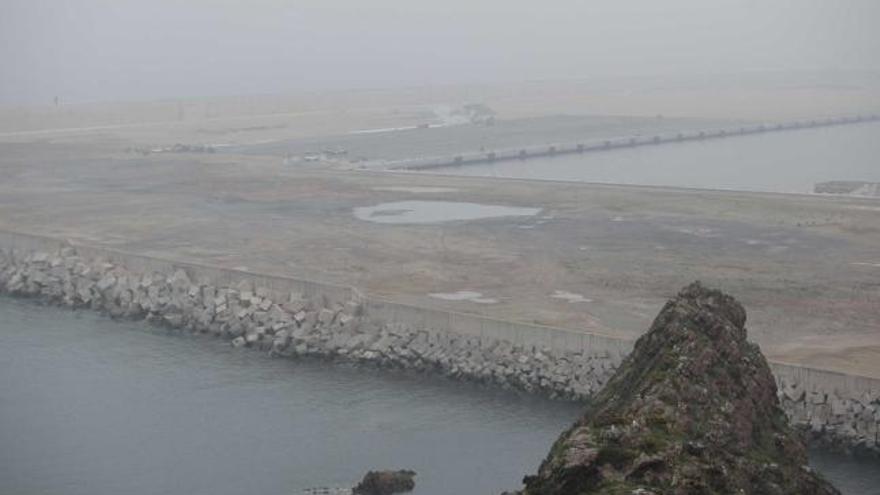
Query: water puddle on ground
x=571 y=297
x=704 y=232
x=437 y=212
x=464 y=295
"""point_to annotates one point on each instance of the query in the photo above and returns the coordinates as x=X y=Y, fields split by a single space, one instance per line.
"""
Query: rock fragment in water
x=693 y=409
x=386 y=482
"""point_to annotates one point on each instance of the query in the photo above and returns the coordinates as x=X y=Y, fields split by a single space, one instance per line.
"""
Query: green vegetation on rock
x=693 y=410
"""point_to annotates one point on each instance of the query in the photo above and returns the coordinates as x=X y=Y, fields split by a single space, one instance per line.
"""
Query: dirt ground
x=598 y=258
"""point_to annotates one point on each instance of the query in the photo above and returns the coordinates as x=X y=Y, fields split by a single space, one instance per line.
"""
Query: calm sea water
x=792 y=161
x=93 y=406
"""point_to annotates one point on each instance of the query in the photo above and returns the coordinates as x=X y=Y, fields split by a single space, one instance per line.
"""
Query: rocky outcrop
x=692 y=410
x=386 y=483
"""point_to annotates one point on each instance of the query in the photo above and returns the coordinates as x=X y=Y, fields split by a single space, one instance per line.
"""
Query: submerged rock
x=693 y=410
x=385 y=482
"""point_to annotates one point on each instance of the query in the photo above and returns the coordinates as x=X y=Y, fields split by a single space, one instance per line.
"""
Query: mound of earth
x=693 y=410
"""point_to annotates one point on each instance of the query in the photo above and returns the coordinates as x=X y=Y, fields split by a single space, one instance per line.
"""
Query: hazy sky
x=127 y=49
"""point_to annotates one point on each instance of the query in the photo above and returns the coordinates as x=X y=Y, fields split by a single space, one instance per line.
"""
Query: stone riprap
x=837 y=410
x=295 y=325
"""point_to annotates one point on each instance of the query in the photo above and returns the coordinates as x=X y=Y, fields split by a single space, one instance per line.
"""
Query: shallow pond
x=410 y=212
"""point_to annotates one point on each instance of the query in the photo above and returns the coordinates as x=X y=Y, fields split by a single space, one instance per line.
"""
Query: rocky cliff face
x=693 y=410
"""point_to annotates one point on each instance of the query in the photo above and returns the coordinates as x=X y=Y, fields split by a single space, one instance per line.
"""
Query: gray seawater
x=94 y=406
x=791 y=162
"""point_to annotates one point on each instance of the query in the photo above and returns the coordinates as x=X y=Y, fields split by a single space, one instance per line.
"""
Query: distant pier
x=524 y=153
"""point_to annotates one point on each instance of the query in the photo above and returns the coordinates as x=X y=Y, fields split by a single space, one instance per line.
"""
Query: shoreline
x=839 y=412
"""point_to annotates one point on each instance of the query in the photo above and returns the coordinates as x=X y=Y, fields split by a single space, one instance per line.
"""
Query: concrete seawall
x=289 y=317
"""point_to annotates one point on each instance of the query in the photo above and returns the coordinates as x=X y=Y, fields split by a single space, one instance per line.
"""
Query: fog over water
x=111 y=50
x=243 y=134
x=93 y=406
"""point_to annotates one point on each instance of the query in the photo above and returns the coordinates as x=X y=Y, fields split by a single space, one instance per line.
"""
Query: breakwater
x=591 y=146
x=291 y=317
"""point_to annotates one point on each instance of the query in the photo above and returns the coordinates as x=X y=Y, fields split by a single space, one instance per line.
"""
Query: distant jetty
x=549 y=150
